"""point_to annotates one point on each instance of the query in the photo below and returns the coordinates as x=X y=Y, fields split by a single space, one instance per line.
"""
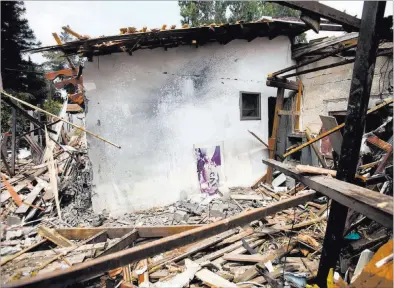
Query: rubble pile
x=28 y=198
x=197 y=209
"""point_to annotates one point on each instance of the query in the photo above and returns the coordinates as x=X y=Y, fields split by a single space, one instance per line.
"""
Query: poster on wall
x=209 y=167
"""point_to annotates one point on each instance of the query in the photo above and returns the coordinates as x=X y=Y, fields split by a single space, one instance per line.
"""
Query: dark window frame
x=246 y=118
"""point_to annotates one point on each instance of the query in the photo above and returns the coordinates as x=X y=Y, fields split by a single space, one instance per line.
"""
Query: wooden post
x=275 y=127
x=31 y=113
x=4 y=159
x=298 y=107
x=40 y=132
x=13 y=141
x=360 y=89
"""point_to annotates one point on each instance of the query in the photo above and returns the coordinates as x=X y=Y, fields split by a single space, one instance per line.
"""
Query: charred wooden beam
x=124 y=242
x=362 y=200
x=4 y=159
x=307 y=62
x=313 y=7
x=118 y=232
x=102 y=264
x=344 y=62
x=282 y=83
x=360 y=89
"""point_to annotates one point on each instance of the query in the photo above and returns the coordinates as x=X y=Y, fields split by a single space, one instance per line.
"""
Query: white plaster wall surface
x=157 y=104
x=328 y=90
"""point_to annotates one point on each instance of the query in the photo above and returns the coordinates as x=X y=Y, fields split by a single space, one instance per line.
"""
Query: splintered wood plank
x=258 y=138
x=261 y=179
x=124 y=242
x=143 y=277
x=246 y=197
x=15 y=196
x=247 y=275
x=221 y=252
x=375 y=140
x=163 y=231
x=30 y=198
x=102 y=264
x=239 y=236
x=50 y=253
x=54 y=237
x=118 y=232
x=5 y=195
x=315 y=170
x=159 y=274
x=97 y=238
x=373 y=276
x=27 y=249
x=26 y=177
x=197 y=247
x=213 y=280
x=376 y=206
x=220 y=261
x=256 y=258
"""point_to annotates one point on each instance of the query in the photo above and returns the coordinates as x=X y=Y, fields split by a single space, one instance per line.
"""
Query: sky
x=96 y=18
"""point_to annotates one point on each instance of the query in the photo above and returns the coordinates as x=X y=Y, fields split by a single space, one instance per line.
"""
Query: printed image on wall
x=208 y=168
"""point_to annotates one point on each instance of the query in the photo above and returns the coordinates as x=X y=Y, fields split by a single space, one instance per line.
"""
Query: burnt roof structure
x=270 y=27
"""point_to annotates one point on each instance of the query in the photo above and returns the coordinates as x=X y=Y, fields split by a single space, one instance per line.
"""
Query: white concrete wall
x=328 y=90
x=157 y=104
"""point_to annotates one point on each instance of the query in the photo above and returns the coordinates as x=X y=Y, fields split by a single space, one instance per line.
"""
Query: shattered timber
x=320 y=214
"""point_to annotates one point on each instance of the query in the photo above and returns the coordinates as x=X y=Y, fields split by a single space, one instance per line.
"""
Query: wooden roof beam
x=376 y=206
x=282 y=83
x=349 y=23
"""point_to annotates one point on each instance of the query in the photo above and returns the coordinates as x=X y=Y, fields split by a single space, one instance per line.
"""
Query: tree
x=56 y=60
x=196 y=13
x=18 y=74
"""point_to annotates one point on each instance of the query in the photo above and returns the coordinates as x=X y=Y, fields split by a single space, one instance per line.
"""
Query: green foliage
x=18 y=74
x=300 y=38
x=6 y=112
x=196 y=13
x=52 y=106
x=56 y=60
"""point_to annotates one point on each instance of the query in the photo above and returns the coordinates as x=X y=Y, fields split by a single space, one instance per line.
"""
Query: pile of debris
x=199 y=208
x=283 y=247
x=230 y=256
x=50 y=180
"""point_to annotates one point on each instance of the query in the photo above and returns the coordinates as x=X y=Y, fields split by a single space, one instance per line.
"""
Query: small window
x=250 y=106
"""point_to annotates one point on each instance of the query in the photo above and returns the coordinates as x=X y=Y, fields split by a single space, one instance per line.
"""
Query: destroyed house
x=172 y=110
x=186 y=124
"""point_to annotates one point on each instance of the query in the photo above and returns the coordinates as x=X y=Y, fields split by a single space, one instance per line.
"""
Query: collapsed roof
x=131 y=40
